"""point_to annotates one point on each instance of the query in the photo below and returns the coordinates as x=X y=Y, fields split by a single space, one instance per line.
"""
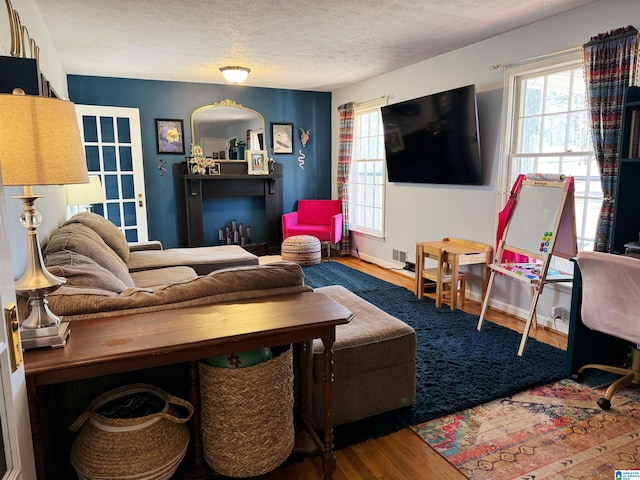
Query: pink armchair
x=319 y=218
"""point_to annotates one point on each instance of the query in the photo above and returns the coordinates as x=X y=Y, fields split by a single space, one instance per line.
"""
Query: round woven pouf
x=301 y=249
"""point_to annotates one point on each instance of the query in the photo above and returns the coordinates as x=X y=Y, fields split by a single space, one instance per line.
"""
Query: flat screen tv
x=434 y=139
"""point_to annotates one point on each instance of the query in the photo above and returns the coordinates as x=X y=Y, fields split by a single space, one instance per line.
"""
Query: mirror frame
x=228 y=103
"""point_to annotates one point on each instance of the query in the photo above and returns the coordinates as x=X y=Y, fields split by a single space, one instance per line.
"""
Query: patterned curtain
x=345 y=143
x=610 y=64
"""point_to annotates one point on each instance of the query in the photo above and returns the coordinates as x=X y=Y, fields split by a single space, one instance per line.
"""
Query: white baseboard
x=399 y=267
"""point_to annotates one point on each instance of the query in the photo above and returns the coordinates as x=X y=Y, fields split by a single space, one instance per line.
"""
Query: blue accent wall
x=176 y=100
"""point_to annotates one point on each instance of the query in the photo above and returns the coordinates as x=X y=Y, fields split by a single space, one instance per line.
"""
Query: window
x=549 y=132
x=367 y=177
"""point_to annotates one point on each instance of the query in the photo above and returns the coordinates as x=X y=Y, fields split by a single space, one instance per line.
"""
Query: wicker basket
x=148 y=447
x=247 y=416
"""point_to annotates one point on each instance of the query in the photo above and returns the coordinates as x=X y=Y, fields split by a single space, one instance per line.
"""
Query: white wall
x=53 y=208
x=429 y=212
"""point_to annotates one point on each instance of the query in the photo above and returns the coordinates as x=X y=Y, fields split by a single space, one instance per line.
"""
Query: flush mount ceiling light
x=235 y=74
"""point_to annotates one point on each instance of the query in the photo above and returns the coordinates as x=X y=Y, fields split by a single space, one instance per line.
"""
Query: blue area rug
x=458 y=367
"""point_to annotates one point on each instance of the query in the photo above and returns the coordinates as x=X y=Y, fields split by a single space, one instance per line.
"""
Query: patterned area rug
x=555 y=431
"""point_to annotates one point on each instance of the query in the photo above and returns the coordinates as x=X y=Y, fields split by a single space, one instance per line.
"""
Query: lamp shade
x=235 y=74
x=40 y=142
x=85 y=193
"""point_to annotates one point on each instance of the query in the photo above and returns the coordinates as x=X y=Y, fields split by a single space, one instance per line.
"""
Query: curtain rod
x=383 y=97
x=538 y=57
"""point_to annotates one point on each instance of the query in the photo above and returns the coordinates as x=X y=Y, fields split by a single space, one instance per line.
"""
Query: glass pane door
x=113 y=148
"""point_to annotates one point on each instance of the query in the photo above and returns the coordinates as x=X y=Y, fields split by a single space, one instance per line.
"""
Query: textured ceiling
x=312 y=45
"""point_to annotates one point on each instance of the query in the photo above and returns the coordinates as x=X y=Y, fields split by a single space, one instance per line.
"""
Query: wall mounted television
x=434 y=139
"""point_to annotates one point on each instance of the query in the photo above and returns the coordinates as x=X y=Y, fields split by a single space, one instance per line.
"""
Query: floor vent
x=399 y=256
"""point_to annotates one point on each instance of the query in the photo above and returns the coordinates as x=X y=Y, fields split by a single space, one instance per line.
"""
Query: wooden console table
x=127 y=343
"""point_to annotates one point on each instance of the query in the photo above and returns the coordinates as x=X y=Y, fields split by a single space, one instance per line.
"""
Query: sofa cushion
x=203 y=260
x=370 y=341
x=233 y=284
x=81 y=239
x=111 y=235
x=82 y=271
x=161 y=276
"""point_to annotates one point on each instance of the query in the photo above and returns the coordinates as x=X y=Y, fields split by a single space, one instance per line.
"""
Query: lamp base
x=54 y=336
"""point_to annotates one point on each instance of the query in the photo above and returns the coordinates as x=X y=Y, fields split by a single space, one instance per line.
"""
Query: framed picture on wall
x=282 y=137
x=170 y=135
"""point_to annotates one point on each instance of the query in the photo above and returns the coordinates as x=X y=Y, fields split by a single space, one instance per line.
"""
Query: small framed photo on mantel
x=257 y=162
x=282 y=137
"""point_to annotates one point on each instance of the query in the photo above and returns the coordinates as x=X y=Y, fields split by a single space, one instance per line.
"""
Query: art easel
x=542 y=224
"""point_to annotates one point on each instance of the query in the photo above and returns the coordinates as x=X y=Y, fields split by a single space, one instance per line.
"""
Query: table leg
x=419 y=283
x=454 y=282
x=439 y=257
x=328 y=455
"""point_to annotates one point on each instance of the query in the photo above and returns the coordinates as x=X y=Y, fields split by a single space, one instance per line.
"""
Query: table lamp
x=85 y=194
x=40 y=144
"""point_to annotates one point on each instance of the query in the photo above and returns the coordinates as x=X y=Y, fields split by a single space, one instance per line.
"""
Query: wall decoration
x=282 y=137
x=170 y=136
x=304 y=136
x=258 y=163
x=162 y=166
x=301 y=160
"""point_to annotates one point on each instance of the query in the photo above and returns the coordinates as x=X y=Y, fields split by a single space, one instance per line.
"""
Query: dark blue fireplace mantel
x=233 y=181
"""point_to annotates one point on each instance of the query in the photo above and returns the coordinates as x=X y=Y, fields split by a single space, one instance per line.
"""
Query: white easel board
x=543 y=220
x=542 y=224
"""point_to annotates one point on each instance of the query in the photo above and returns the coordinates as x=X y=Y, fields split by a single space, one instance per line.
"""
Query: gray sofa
x=374 y=354
x=106 y=276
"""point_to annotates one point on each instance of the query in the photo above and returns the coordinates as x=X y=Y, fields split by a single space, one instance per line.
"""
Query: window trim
x=360 y=109
x=509 y=95
x=512 y=75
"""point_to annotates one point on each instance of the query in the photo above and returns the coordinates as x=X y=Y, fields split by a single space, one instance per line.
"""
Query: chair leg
x=438 y=294
x=631 y=375
x=618 y=384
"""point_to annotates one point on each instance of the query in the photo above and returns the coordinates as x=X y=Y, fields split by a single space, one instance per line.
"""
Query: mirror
x=226 y=129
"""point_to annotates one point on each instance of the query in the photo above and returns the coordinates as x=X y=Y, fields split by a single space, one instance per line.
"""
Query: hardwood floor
x=401 y=455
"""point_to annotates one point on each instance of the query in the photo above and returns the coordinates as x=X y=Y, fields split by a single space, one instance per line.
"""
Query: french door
x=113 y=148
